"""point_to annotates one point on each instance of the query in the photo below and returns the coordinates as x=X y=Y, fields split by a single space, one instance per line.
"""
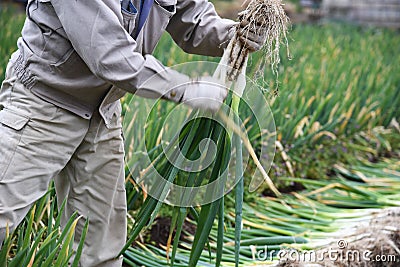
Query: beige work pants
x=39 y=142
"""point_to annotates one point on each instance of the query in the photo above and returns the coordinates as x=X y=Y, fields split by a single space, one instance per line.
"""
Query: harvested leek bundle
x=266 y=19
x=231 y=72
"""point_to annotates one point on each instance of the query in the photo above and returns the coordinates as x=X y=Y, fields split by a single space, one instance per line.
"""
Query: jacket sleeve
x=197 y=28
x=94 y=28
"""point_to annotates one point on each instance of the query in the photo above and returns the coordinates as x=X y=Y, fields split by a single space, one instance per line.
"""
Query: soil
x=293 y=187
x=160 y=230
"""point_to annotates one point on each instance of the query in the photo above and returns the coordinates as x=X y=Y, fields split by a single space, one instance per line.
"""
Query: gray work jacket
x=81 y=56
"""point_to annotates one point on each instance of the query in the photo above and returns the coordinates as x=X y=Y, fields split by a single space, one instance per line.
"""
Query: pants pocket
x=11 y=127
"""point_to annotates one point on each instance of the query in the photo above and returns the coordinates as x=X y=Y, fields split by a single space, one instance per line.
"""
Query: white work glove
x=252 y=37
x=205 y=93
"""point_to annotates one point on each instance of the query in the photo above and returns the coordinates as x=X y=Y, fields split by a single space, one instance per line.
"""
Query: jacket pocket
x=44 y=32
x=11 y=127
x=129 y=14
x=155 y=25
x=67 y=65
x=168 y=7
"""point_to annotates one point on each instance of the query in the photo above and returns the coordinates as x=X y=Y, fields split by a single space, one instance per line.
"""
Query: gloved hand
x=251 y=36
x=205 y=93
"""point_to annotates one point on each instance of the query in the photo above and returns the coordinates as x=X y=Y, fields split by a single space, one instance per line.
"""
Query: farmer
x=60 y=109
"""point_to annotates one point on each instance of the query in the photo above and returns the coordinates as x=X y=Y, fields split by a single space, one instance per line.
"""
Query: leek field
x=337 y=162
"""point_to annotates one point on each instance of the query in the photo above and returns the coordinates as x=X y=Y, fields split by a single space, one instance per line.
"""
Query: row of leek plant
x=302 y=220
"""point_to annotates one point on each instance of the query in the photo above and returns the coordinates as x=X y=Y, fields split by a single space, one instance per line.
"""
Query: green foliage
x=342 y=79
x=339 y=78
x=11 y=22
x=33 y=244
